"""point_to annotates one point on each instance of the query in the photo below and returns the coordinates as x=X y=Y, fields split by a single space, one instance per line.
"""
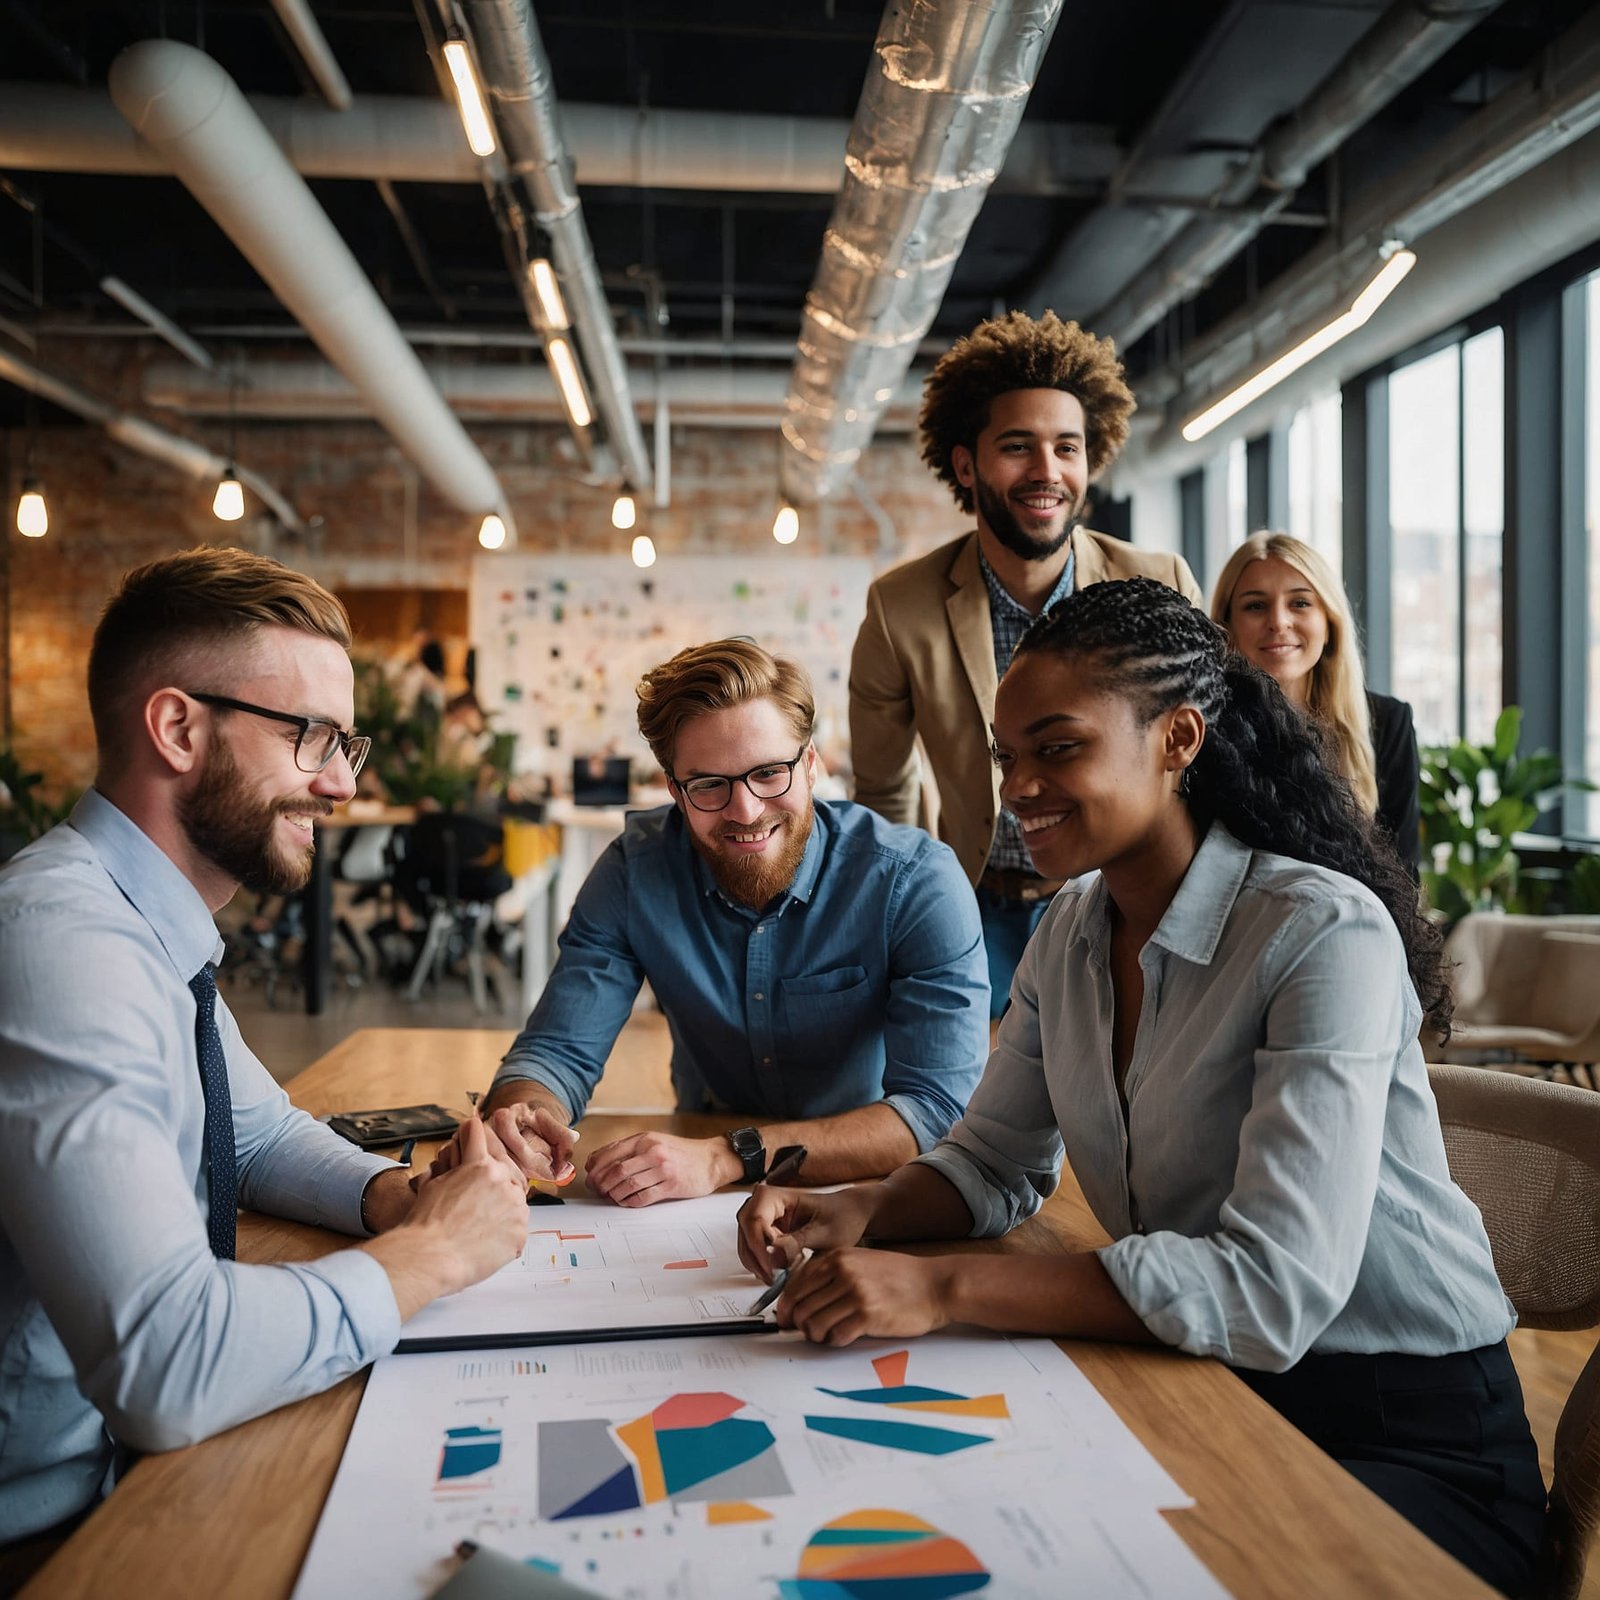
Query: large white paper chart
x=762 y=1467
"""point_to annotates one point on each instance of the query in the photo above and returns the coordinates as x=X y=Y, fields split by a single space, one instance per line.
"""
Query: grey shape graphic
x=574 y=1458
x=750 y=1480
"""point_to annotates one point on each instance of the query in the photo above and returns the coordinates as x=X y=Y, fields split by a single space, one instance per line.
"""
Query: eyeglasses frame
x=731 y=778
x=343 y=741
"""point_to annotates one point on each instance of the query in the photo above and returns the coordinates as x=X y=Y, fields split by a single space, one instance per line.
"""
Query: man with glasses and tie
x=821 y=970
x=134 y=1120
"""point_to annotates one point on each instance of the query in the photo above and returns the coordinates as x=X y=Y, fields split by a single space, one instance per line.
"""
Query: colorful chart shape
x=893 y=1390
x=682 y=1266
x=908 y=1436
x=883 y=1555
x=582 y=1473
x=891 y=1369
x=724 y=1511
x=468 y=1451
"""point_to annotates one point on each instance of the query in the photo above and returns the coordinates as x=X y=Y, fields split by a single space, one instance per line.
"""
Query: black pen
x=405 y=1152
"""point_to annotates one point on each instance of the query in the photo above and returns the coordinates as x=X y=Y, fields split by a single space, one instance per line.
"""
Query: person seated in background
x=133 y=1117
x=1217 y=1025
x=1286 y=612
x=820 y=969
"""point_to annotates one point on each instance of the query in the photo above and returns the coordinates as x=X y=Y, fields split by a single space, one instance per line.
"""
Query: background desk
x=234 y=1516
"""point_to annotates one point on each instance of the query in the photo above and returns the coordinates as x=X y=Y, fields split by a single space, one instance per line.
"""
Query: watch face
x=745 y=1141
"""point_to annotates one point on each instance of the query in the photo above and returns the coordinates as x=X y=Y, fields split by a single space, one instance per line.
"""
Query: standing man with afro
x=1016 y=419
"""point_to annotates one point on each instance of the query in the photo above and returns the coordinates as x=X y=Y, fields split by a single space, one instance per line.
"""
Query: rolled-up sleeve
x=936 y=1029
x=1004 y=1155
x=588 y=997
x=1293 y=1229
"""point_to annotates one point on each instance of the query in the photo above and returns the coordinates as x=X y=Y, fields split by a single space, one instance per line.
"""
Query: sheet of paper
x=699 y=1468
x=591 y=1266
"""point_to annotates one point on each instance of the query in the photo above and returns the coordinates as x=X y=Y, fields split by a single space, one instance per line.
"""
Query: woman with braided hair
x=1217 y=1024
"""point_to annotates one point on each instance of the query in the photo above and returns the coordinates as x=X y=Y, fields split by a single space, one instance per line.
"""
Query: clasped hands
x=841 y=1293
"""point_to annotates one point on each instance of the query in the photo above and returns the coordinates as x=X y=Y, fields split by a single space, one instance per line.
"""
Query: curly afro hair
x=1015 y=352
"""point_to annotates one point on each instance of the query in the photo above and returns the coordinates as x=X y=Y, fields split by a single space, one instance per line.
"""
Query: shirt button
x=761 y=928
x=759 y=995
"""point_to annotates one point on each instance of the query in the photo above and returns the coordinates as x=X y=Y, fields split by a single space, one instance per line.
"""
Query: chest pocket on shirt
x=826 y=1007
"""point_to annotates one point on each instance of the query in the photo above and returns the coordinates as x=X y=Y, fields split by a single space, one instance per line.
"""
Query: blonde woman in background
x=1286 y=611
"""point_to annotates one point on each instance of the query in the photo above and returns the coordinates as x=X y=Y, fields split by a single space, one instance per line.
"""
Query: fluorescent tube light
x=548 y=291
x=469 y=97
x=569 y=382
x=1388 y=279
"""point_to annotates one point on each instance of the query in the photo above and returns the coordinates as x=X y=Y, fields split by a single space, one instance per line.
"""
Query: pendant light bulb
x=644 y=551
x=786 y=525
x=492 y=532
x=33 y=516
x=227 y=504
x=623 y=514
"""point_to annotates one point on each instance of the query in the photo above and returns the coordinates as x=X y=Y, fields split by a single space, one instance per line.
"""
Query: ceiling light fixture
x=492 y=532
x=469 y=96
x=644 y=551
x=565 y=367
x=547 y=289
x=1399 y=261
x=227 y=504
x=623 y=512
x=33 y=516
x=786 y=525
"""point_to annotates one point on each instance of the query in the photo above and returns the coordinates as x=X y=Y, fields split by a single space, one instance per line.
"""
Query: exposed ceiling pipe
x=53 y=128
x=190 y=458
x=1508 y=194
x=154 y=318
x=306 y=33
x=186 y=106
x=516 y=74
x=1402 y=44
x=304 y=390
x=941 y=102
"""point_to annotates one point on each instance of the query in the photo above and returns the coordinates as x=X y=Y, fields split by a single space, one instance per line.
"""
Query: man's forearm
x=866 y=1143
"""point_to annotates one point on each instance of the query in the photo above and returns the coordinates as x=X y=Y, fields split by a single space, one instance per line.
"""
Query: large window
x=1446 y=515
x=1316 y=495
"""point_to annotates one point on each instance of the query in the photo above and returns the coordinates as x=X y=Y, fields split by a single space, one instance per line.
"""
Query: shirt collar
x=151 y=883
x=801 y=887
x=1192 y=925
x=999 y=595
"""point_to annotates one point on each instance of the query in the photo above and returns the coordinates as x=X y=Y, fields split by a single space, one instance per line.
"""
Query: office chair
x=1527 y=1153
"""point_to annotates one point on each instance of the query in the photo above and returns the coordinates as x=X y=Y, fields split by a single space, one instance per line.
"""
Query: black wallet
x=369 y=1129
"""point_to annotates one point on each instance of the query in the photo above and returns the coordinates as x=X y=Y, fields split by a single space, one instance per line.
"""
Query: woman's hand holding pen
x=839 y=1296
x=776 y=1225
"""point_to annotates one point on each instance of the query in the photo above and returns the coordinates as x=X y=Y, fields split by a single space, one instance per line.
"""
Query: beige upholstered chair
x=1527 y=1152
x=1526 y=987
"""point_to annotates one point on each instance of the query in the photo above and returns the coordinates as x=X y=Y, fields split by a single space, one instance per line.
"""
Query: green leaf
x=1507 y=731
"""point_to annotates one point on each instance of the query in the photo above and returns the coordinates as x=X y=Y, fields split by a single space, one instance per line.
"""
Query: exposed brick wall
x=111 y=509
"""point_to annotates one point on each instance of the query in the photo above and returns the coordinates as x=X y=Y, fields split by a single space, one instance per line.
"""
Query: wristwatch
x=748 y=1146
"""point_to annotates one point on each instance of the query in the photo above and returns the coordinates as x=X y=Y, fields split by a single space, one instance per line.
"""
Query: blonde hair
x=168 y=615
x=1338 y=694
x=718 y=677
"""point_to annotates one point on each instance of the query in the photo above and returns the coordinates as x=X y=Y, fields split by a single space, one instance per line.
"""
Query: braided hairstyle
x=1261 y=771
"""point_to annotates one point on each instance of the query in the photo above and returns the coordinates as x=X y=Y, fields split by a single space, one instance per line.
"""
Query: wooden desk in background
x=1272 y=1516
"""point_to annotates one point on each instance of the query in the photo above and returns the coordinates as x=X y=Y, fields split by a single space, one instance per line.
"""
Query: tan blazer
x=923 y=672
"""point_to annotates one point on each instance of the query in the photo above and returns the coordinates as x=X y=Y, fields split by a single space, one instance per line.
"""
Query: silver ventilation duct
x=516 y=74
x=191 y=459
x=187 y=106
x=1402 y=44
x=942 y=100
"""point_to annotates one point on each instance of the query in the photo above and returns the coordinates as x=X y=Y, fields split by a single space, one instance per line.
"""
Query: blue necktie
x=222 y=1174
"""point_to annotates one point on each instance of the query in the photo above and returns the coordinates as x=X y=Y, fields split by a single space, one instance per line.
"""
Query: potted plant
x=1474 y=798
x=23 y=814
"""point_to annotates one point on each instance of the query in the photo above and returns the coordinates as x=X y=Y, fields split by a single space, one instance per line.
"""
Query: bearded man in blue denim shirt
x=820 y=969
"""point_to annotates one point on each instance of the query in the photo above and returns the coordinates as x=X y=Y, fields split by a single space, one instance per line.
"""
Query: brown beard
x=234 y=831
x=754 y=880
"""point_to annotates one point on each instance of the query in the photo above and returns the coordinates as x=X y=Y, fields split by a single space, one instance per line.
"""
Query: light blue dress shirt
x=1279 y=1185
x=864 y=982
x=116 y=1321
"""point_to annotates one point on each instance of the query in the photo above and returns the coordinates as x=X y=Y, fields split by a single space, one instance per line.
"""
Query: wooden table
x=1272 y=1516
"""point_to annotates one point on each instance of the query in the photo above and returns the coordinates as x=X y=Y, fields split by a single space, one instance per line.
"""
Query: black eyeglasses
x=318 y=740
x=711 y=791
